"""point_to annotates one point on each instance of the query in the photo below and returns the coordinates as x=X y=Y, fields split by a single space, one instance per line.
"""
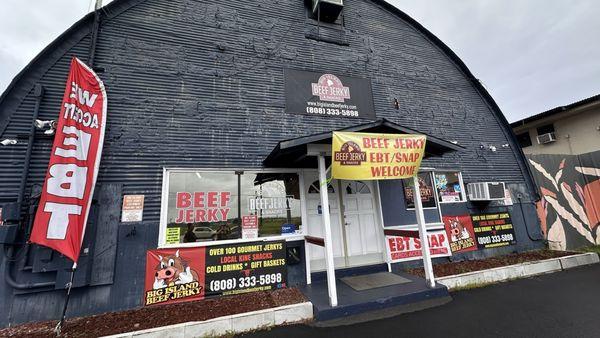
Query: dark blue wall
x=200 y=84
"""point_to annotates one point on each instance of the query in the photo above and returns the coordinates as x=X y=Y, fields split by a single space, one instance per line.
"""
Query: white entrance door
x=357 y=237
x=315 y=223
x=364 y=240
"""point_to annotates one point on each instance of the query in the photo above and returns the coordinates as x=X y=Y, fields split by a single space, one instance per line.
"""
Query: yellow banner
x=364 y=156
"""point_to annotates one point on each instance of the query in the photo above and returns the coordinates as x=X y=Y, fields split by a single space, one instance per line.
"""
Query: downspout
x=10 y=259
x=94 y=38
x=39 y=94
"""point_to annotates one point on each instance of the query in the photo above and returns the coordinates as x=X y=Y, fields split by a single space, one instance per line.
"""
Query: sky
x=531 y=55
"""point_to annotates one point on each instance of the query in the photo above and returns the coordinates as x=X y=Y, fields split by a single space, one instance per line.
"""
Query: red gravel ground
x=455 y=268
x=159 y=315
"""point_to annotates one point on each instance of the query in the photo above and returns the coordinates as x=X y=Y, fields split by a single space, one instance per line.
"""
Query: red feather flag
x=73 y=167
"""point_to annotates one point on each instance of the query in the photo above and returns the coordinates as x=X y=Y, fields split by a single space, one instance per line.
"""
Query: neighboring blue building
x=227 y=97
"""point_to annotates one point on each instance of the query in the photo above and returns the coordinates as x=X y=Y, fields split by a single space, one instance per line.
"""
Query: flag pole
x=69 y=285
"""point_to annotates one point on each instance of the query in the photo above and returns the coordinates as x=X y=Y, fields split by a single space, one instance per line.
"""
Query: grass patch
x=593 y=248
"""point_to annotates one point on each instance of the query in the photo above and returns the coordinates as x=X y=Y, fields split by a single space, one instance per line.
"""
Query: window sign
x=426 y=187
x=449 y=187
x=212 y=206
x=275 y=199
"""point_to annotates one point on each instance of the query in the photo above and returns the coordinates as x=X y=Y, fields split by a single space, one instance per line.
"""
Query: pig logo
x=330 y=88
x=173 y=270
x=350 y=154
x=458 y=230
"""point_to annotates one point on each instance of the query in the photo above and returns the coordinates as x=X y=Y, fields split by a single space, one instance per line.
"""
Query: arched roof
x=24 y=82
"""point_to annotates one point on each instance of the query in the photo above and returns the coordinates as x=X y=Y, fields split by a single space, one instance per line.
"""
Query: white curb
x=522 y=270
x=229 y=324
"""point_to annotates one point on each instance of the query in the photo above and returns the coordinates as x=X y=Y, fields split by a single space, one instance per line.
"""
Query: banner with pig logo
x=460 y=233
x=174 y=275
x=187 y=274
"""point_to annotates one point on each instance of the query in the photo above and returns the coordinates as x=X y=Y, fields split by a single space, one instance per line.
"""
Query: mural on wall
x=569 y=208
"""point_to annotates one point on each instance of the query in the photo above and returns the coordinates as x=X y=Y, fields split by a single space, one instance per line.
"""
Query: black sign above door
x=327 y=94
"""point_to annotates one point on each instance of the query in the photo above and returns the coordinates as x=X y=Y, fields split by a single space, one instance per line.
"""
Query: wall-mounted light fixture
x=49 y=125
x=8 y=142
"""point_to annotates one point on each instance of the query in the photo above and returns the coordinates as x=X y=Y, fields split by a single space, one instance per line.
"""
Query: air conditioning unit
x=486 y=191
x=327 y=10
x=546 y=138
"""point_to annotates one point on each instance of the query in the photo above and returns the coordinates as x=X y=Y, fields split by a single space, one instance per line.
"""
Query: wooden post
x=427 y=265
x=331 y=287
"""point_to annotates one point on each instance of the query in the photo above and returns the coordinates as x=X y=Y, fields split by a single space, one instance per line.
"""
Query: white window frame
x=164 y=207
x=463 y=195
x=430 y=226
x=433 y=186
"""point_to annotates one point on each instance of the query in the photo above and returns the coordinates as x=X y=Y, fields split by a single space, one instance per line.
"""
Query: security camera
x=8 y=141
x=493 y=148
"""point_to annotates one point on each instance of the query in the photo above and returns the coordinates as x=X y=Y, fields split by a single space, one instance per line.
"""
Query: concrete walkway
x=562 y=304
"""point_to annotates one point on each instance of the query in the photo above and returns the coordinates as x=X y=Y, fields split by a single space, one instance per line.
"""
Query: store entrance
x=356 y=232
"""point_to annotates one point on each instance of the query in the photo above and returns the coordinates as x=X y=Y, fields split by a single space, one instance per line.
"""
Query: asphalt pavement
x=562 y=304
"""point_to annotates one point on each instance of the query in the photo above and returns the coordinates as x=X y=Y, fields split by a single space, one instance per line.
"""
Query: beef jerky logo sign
x=350 y=154
x=330 y=88
x=328 y=95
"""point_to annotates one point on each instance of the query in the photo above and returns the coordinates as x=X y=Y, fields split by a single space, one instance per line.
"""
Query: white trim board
x=523 y=270
x=238 y=323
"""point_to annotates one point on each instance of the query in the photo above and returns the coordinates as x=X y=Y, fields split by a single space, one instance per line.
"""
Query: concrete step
x=352 y=304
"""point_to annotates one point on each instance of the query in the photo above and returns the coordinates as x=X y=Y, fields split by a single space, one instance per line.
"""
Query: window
x=449 y=186
x=357 y=187
x=314 y=188
x=426 y=187
x=545 y=129
x=224 y=205
x=524 y=140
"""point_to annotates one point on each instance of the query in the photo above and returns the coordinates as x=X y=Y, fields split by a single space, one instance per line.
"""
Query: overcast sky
x=531 y=55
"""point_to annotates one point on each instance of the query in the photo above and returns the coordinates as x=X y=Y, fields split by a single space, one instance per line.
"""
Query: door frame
x=377 y=212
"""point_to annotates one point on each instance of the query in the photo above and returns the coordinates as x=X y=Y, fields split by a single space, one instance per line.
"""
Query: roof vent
x=327 y=10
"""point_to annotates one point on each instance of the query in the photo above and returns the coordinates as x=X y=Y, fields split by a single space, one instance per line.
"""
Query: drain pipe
x=39 y=94
x=10 y=280
x=94 y=38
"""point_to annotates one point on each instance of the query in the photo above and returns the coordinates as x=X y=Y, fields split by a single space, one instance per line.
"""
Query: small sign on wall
x=1 y=221
x=133 y=208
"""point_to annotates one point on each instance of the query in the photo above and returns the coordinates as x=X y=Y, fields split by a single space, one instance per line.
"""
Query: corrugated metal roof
x=555 y=111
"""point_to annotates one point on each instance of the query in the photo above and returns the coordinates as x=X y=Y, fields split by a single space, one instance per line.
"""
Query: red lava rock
x=159 y=315
x=455 y=268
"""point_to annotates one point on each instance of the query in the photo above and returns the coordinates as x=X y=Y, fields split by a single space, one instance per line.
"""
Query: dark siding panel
x=198 y=83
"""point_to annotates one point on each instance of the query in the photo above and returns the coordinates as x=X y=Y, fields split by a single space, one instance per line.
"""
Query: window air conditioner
x=546 y=138
x=328 y=10
x=486 y=191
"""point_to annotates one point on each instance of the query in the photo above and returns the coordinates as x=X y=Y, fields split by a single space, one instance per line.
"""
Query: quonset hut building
x=228 y=96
